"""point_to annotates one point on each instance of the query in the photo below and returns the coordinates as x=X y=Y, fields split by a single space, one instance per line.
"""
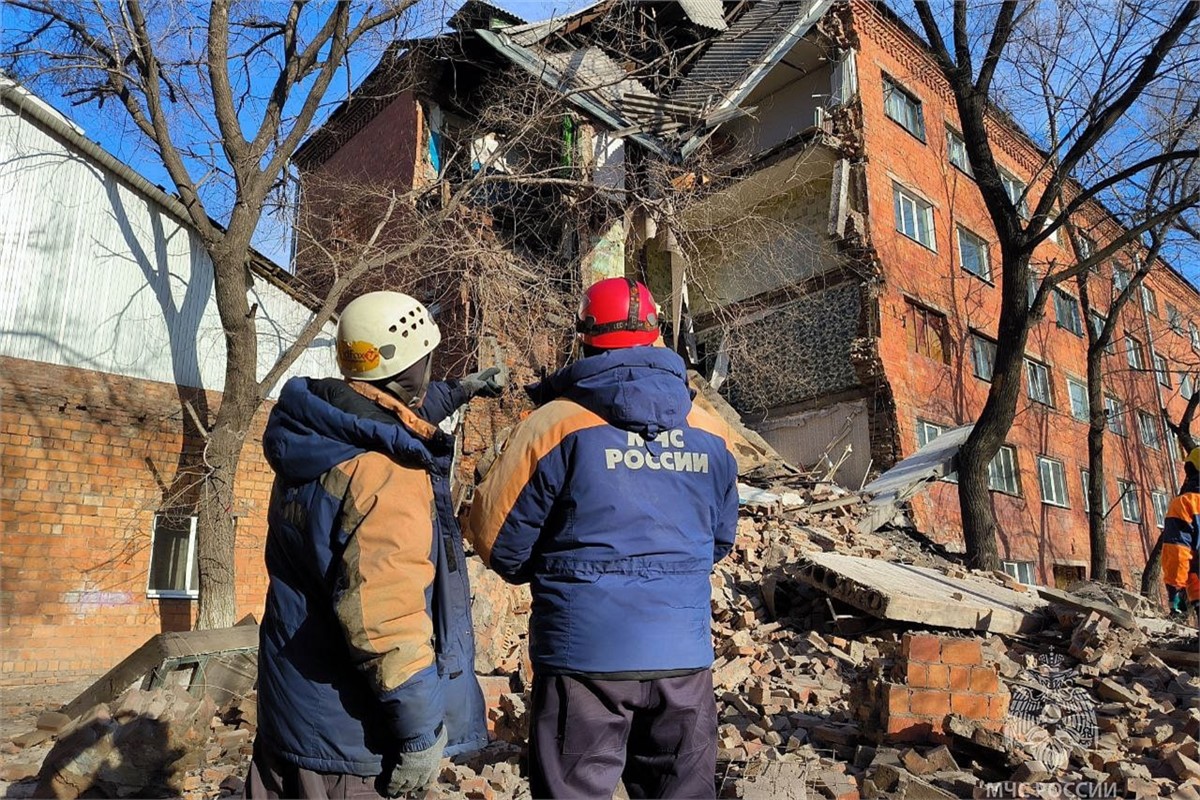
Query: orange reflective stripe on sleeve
x=388 y=513
x=532 y=440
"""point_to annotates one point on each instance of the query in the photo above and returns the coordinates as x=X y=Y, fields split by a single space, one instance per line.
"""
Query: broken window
x=973 y=254
x=1079 y=399
x=956 y=150
x=1161 y=372
x=928 y=333
x=983 y=356
x=1066 y=312
x=1160 y=500
x=1002 y=471
x=1023 y=571
x=1114 y=409
x=914 y=216
x=1148 y=428
x=903 y=107
x=1038 y=382
x=1133 y=352
x=173 y=568
x=1053 y=481
x=1131 y=510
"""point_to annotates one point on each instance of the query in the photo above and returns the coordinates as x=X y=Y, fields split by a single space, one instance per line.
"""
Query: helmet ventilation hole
x=392 y=329
x=404 y=333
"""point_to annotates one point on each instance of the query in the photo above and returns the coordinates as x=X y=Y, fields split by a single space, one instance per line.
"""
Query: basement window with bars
x=174 y=572
x=1053 y=481
x=1023 y=571
x=903 y=106
x=1002 y=471
x=1160 y=501
x=914 y=216
x=1131 y=510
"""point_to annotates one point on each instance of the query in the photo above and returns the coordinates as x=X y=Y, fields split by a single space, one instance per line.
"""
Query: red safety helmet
x=617 y=312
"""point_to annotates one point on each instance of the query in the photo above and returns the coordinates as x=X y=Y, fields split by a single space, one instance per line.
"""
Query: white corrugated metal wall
x=96 y=275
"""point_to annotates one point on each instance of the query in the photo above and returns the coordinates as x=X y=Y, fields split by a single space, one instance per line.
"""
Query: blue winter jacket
x=366 y=646
x=613 y=500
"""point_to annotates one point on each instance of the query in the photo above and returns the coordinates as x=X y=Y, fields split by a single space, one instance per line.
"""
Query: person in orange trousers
x=1181 y=538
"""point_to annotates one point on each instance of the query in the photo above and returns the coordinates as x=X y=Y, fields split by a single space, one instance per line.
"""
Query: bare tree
x=1123 y=57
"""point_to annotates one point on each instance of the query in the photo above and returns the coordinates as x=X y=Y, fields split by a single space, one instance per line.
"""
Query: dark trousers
x=273 y=778
x=659 y=735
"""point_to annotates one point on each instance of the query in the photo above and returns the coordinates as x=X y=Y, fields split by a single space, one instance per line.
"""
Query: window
x=903 y=107
x=1120 y=279
x=926 y=433
x=1175 y=319
x=1161 y=372
x=1133 y=352
x=1114 y=409
x=173 y=568
x=983 y=356
x=1035 y=281
x=973 y=254
x=1159 y=499
x=1015 y=188
x=928 y=333
x=1131 y=511
x=1066 y=311
x=1002 y=471
x=1149 y=300
x=1021 y=570
x=1148 y=428
x=1053 y=481
x=1079 y=399
x=914 y=216
x=1056 y=232
x=956 y=149
x=1087 y=246
x=1194 y=335
x=1113 y=578
x=1087 y=505
x=1038 y=382
x=1185 y=385
x=1067 y=575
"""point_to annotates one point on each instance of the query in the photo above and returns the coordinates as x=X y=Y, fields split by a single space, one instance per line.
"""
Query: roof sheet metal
x=590 y=70
x=740 y=50
x=707 y=13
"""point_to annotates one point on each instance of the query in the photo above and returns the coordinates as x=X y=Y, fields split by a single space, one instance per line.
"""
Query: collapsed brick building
x=111 y=352
x=822 y=248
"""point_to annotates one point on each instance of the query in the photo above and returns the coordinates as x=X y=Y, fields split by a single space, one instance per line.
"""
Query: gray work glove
x=415 y=771
x=490 y=382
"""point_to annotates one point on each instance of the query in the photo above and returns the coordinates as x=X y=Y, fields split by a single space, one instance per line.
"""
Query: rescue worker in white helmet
x=366 y=656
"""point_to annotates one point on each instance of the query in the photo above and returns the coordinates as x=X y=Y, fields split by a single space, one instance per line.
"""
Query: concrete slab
x=906 y=593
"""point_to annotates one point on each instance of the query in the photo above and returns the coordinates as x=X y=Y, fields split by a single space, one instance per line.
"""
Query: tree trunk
x=1152 y=582
x=1097 y=510
x=975 y=502
x=240 y=399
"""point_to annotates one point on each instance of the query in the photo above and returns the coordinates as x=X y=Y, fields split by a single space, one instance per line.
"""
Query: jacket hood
x=638 y=389
x=313 y=429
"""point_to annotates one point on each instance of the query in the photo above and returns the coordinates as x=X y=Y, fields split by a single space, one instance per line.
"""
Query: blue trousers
x=659 y=736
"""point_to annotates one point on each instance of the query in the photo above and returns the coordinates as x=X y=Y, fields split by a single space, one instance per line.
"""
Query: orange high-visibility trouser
x=1178 y=571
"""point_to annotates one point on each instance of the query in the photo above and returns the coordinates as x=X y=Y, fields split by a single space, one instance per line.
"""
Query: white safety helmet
x=381 y=334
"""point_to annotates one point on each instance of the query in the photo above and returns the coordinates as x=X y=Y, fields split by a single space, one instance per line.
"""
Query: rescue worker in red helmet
x=1181 y=539
x=613 y=500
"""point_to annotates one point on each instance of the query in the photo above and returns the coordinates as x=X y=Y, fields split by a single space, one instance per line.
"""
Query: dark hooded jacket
x=366 y=646
x=613 y=500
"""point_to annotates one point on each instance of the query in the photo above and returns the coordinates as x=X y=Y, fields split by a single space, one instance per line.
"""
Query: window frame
x=1007 y=178
x=1014 y=569
x=1015 y=473
x=1114 y=409
x=1160 y=515
x=912 y=307
x=893 y=87
x=1056 y=471
x=1061 y=301
x=975 y=239
x=1162 y=370
x=1187 y=385
x=1174 y=318
x=190 y=593
x=976 y=340
x=1121 y=278
x=1128 y=492
x=1045 y=381
x=1149 y=299
x=922 y=208
x=1134 y=355
x=1194 y=335
x=951 y=137
x=922 y=426
x=1148 y=424
x=1083 y=485
x=1087 y=409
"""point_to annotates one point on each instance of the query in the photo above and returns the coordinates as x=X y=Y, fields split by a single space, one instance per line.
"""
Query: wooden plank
x=1117 y=615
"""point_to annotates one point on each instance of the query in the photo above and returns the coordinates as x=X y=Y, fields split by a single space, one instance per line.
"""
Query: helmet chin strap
x=409 y=386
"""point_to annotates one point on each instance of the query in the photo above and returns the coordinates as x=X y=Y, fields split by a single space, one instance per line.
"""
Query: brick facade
x=87 y=459
x=945 y=391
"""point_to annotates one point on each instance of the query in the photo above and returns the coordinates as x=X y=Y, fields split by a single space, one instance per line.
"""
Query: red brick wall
x=950 y=394
x=85 y=457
